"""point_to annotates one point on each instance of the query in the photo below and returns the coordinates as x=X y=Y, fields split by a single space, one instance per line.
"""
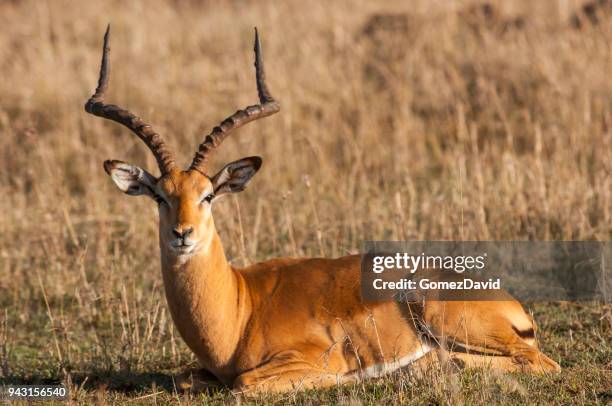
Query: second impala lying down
x=291 y=323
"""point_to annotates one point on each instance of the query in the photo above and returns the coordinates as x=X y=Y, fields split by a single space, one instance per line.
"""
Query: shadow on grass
x=123 y=382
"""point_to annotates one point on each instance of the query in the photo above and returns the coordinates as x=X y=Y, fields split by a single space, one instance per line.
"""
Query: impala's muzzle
x=183 y=241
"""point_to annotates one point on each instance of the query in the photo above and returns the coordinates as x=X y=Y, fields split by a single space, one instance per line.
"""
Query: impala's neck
x=208 y=301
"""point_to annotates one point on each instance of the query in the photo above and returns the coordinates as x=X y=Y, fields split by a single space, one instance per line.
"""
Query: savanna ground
x=428 y=120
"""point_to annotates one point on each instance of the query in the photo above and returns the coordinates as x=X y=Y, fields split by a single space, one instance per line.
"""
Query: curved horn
x=96 y=106
x=267 y=106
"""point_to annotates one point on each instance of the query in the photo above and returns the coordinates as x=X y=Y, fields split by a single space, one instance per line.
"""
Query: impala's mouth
x=181 y=246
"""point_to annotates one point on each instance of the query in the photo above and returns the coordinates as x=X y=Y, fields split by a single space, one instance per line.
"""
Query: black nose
x=182 y=233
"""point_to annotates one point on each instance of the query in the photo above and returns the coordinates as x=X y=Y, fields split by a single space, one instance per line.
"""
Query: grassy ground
x=429 y=120
x=111 y=370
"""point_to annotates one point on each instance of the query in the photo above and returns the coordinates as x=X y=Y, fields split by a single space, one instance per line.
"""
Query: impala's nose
x=182 y=232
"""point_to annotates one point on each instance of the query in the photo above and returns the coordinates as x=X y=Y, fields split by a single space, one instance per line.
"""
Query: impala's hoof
x=196 y=381
x=538 y=363
x=548 y=365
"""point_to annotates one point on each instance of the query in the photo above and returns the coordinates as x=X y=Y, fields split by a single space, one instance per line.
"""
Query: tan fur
x=295 y=323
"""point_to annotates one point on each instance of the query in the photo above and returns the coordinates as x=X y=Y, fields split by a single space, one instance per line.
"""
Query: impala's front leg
x=285 y=372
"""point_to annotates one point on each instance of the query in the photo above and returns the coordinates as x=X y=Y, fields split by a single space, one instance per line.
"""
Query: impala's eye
x=156 y=196
x=208 y=198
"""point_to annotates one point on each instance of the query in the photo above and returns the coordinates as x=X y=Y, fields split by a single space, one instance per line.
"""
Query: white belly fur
x=378 y=370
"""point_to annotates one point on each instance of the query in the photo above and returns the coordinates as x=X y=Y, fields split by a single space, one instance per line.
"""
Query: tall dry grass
x=428 y=120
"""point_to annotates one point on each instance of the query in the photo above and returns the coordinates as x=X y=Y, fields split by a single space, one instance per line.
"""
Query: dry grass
x=423 y=121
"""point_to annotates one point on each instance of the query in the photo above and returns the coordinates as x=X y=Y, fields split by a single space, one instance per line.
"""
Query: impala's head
x=184 y=196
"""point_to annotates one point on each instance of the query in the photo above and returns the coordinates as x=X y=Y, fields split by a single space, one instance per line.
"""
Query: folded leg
x=495 y=328
x=285 y=372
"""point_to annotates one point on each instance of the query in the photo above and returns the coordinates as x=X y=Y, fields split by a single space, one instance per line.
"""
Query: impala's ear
x=236 y=175
x=130 y=179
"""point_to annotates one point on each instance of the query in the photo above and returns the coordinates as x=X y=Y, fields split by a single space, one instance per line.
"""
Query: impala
x=291 y=323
